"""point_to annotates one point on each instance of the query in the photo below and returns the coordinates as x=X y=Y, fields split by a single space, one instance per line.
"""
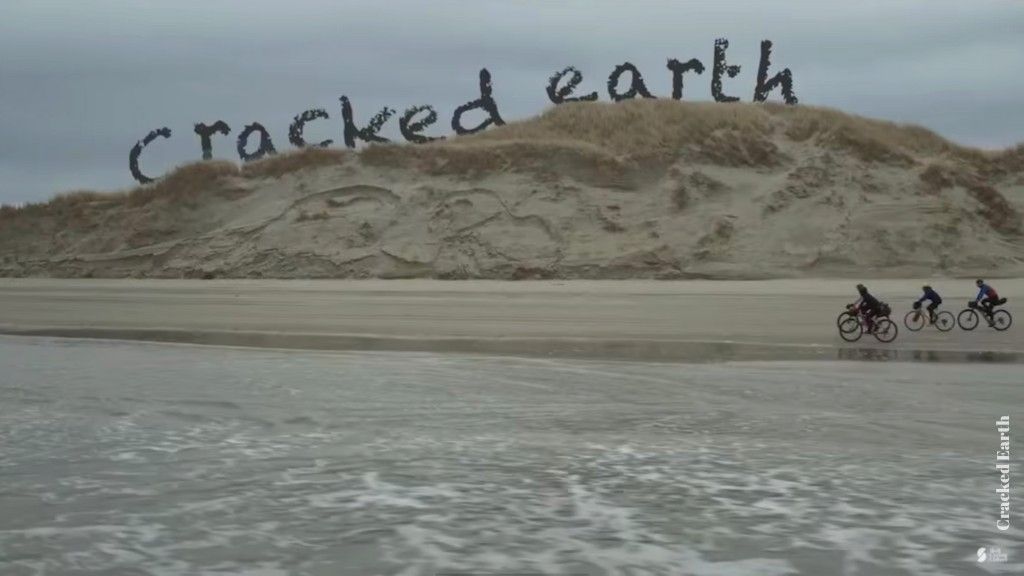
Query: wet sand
x=649 y=320
x=138 y=458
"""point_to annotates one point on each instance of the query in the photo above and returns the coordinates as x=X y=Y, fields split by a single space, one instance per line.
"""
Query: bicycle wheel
x=1002 y=319
x=847 y=326
x=944 y=321
x=885 y=330
x=914 y=320
x=851 y=330
x=967 y=319
x=842 y=316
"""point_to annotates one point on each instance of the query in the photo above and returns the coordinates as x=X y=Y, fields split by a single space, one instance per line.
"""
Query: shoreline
x=646 y=320
x=676 y=352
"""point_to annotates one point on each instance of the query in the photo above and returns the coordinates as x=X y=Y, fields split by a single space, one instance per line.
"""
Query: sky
x=81 y=82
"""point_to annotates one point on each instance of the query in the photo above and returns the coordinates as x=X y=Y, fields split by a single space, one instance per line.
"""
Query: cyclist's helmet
x=926 y=287
x=979 y=282
x=861 y=288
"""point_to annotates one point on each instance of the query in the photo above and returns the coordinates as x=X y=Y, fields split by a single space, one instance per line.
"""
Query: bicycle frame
x=978 y=307
x=931 y=315
x=863 y=319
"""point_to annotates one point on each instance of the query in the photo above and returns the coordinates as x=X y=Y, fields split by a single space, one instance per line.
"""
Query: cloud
x=80 y=82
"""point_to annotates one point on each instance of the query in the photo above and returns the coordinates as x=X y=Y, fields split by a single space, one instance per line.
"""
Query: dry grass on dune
x=185 y=184
x=736 y=134
x=67 y=204
x=829 y=125
x=598 y=141
x=647 y=127
x=996 y=209
x=637 y=127
x=311 y=157
x=478 y=159
x=1012 y=159
x=608 y=138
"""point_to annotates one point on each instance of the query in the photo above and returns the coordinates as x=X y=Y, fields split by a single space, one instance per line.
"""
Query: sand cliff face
x=657 y=189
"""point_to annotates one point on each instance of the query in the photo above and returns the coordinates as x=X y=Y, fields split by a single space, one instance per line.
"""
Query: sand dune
x=643 y=189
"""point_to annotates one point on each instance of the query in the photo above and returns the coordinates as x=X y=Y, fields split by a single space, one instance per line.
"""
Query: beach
x=424 y=427
x=635 y=319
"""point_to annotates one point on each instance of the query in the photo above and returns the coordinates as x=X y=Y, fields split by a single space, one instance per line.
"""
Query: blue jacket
x=930 y=294
x=986 y=290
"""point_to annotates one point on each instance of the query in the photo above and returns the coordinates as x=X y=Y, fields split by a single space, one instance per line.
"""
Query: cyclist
x=933 y=297
x=988 y=297
x=868 y=306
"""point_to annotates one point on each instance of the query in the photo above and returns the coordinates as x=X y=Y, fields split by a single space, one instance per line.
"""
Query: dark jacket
x=932 y=295
x=869 y=302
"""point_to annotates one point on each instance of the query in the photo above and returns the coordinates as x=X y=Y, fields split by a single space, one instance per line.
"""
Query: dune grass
x=289 y=162
x=603 y=140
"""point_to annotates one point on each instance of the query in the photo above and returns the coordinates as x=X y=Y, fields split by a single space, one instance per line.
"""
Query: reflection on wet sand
x=898 y=355
x=638 y=350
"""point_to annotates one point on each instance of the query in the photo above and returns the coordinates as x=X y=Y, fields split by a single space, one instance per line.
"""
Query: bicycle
x=851 y=312
x=917 y=318
x=968 y=318
x=853 y=328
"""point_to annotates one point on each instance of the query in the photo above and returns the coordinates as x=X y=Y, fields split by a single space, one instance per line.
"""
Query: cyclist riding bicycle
x=988 y=297
x=933 y=297
x=868 y=306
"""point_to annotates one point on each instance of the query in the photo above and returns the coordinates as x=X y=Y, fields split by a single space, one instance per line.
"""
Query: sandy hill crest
x=645 y=188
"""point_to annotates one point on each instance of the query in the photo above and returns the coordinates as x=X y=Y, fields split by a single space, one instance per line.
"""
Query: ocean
x=136 y=458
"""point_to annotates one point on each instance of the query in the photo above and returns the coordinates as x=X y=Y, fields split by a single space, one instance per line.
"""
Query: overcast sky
x=82 y=81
